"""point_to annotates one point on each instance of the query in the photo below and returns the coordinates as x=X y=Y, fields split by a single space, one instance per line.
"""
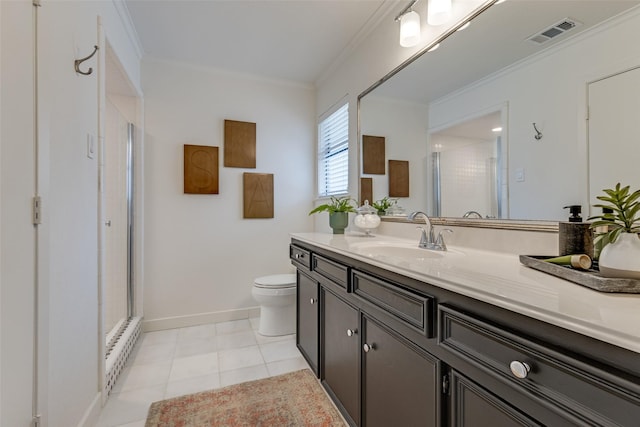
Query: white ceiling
x=495 y=39
x=294 y=40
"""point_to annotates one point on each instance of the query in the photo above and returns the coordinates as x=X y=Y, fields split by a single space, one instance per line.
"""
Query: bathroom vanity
x=402 y=336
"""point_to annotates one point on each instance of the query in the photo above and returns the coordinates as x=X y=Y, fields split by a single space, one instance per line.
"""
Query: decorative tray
x=590 y=278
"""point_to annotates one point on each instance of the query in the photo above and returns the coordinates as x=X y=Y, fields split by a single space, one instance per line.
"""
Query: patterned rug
x=293 y=399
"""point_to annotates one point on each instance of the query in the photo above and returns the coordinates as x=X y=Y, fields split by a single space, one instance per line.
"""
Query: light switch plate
x=520 y=175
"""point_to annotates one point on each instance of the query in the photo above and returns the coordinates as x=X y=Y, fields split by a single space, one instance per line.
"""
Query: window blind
x=333 y=153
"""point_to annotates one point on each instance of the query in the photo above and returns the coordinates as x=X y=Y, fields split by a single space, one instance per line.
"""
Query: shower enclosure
x=468 y=168
x=118 y=301
x=119 y=205
x=120 y=324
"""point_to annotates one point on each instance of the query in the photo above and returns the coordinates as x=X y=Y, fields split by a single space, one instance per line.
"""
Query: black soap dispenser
x=575 y=236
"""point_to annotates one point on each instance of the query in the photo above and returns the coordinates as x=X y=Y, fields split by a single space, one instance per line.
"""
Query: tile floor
x=174 y=362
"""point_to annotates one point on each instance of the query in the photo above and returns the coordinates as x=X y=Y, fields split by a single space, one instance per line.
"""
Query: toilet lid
x=276 y=281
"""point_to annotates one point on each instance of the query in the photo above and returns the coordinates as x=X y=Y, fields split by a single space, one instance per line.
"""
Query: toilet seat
x=276 y=281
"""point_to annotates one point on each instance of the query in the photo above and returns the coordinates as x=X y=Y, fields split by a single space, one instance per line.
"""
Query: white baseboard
x=199 y=319
x=92 y=414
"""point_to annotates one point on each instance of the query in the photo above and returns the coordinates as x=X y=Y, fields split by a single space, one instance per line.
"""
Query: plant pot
x=338 y=221
x=622 y=258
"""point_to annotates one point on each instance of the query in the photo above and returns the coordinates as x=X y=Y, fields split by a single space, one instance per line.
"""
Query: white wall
x=69 y=353
x=201 y=255
x=68 y=106
x=550 y=91
x=377 y=54
x=404 y=126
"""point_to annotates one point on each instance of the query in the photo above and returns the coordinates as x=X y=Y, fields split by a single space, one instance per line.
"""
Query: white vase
x=622 y=258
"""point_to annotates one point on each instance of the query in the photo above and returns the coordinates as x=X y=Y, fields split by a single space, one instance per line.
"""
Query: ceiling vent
x=553 y=31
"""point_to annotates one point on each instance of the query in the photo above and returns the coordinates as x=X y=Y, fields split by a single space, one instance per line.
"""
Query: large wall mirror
x=531 y=108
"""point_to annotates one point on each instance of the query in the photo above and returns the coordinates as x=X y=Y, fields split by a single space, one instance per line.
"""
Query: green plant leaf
x=613 y=235
x=336 y=204
x=625 y=207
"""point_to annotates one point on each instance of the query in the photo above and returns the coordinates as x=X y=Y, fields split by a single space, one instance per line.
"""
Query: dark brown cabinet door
x=400 y=382
x=341 y=354
x=473 y=406
x=307 y=319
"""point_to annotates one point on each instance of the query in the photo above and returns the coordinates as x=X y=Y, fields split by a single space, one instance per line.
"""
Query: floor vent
x=553 y=31
x=119 y=350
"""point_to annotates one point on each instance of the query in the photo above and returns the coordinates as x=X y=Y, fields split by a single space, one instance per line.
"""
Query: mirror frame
x=504 y=224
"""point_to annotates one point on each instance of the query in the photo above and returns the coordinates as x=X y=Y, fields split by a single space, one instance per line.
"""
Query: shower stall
x=120 y=324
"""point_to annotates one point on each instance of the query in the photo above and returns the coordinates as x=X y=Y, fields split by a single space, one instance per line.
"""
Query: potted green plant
x=383 y=204
x=621 y=255
x=338 y=208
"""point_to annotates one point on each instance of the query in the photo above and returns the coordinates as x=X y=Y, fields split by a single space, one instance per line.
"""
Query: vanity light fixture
x=409 y=26
x=498 y=129
x=438 y=12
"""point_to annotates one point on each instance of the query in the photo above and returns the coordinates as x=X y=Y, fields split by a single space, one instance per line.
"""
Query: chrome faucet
x=469 y=213
x=427 y=238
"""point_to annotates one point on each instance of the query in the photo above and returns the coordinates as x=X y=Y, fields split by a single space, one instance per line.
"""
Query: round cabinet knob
x=297 y=256
x=368 y=347
x=351 y=332
x=520 y=369
x=313 y=300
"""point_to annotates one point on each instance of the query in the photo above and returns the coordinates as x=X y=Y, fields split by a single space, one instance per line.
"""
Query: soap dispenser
x=575 y=236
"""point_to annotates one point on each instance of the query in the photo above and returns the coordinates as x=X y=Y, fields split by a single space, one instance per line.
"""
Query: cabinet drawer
x=300 y=255
x=582 y=392
x=412 y=309
x=333 y=271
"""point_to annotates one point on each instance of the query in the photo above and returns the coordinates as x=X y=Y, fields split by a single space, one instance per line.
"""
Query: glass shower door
x=118 y=274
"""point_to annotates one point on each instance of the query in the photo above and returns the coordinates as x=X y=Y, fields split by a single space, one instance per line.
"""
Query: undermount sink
x=407 y=251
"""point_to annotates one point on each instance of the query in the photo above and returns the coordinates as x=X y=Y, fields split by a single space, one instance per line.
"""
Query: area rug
x=293 y=399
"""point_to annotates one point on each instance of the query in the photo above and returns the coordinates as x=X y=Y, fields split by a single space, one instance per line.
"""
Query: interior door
x=614 y=114
x=18 y=235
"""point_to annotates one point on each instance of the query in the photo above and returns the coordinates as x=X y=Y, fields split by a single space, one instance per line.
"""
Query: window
x=333 y=153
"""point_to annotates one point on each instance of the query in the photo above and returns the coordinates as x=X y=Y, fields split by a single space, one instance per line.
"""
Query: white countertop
x=500 y=279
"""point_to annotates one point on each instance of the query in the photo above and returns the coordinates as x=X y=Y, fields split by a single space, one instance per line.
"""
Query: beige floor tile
x=279 y=350
x=192 y=385
x=193 y=366
x=287 y=365
x=143 y=376
x=196 y=347
x=240 y=358
x=129 y=406
x=236 y=340
x=233 y=326
x=238 y=376
x=159 y=337
x=196 y=332
x=166 y=364
x=152 y=353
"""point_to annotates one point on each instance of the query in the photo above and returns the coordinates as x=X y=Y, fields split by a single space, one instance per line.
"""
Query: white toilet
x=276 y=295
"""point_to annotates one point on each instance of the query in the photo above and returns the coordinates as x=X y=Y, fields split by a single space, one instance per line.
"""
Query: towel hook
x=77 y=63
x=538 y=135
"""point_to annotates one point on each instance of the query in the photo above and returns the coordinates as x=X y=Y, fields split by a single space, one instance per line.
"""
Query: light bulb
x=438 y=12
x=409 y=29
